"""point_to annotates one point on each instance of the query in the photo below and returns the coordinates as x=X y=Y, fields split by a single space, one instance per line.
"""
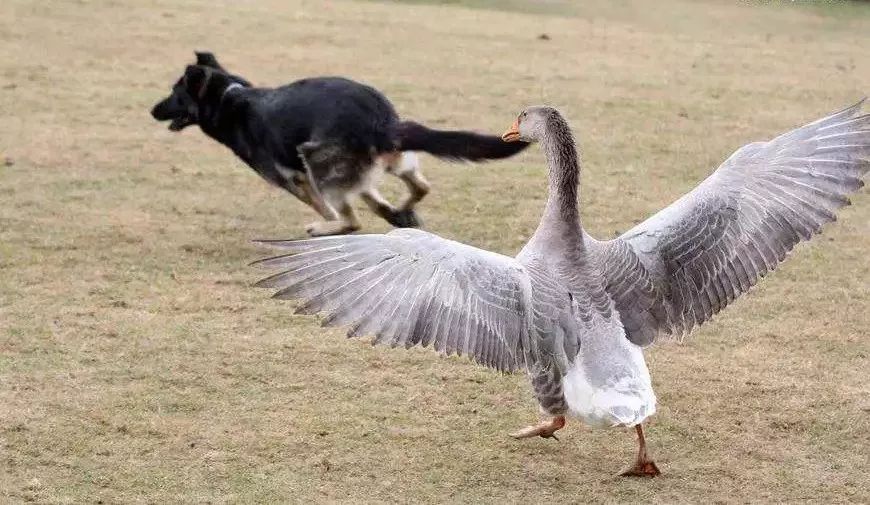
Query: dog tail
x=454 y=144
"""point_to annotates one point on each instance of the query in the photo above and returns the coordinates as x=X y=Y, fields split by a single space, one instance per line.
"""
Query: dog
x=323 y=139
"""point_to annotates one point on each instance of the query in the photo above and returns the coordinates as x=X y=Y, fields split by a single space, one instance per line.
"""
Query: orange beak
x=513 y=134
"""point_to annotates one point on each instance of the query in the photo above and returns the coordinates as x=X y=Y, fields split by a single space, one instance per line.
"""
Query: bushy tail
x=454 y=144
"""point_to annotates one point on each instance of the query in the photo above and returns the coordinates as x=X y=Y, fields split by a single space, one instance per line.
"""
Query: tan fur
x=335 y=205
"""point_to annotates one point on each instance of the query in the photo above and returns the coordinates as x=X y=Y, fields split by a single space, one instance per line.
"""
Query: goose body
x=604 y=381
x=572 y=311
x=609 y=384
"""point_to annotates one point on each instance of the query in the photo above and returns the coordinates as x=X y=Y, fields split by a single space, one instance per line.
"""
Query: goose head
x=531 y=124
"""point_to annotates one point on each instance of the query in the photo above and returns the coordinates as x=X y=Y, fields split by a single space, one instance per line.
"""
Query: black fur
x=339 y=125
x=454 y=145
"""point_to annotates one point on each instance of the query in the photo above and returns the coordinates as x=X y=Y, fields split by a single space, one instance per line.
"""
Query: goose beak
x=513 y=134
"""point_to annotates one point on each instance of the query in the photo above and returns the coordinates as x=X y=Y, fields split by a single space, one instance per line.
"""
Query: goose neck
x=564 y=174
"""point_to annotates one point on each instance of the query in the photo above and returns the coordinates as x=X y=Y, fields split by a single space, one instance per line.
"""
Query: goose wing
x=687 y=262
x=408 y=288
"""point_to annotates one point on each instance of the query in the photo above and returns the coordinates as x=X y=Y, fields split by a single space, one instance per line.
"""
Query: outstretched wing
x=687 y=262
x=410 y=287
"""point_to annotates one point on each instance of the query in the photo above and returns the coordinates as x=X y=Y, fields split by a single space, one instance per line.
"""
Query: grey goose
x=572 y=311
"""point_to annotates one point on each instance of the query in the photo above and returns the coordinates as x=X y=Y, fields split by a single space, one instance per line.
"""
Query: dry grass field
x=137 y=365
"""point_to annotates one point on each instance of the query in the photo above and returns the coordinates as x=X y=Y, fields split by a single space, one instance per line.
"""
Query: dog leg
x=295 y=188
x=346 y=222
x=418 y=188
x=296 y=183
x=400 y=219
x=310 y=154
x=315 y=200
x=379 y=205
x=407 y=168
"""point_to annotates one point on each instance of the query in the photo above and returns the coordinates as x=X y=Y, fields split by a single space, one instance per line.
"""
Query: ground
x=137 y=365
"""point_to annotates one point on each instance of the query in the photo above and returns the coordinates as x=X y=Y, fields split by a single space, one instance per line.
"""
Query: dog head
x=182 y=106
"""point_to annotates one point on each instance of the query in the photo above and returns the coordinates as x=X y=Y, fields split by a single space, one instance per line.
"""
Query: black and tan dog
x=323 y=139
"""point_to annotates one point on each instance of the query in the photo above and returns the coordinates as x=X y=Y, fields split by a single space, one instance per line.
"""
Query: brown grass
x=138 y=366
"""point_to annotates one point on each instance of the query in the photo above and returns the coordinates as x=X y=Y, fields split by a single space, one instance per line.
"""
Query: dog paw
x=319 y=229
x=323 y=228
x=405 y=219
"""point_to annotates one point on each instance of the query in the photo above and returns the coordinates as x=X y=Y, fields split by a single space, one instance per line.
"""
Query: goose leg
x=545 y=429
x=644 y=466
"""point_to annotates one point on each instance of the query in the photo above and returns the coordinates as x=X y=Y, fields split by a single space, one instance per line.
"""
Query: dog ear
x=207 y=59
x=195 y=79
x=194 y=73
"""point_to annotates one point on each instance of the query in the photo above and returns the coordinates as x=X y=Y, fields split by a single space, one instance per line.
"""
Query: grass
x=138 y=366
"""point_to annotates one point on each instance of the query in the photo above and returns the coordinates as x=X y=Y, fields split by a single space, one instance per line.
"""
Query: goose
x=572 y=311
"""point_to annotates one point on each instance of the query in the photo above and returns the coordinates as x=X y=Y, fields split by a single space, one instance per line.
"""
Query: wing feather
x=692 y=259
x=408 y=288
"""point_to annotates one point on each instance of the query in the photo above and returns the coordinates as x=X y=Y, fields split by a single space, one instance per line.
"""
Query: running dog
x=323 y=139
